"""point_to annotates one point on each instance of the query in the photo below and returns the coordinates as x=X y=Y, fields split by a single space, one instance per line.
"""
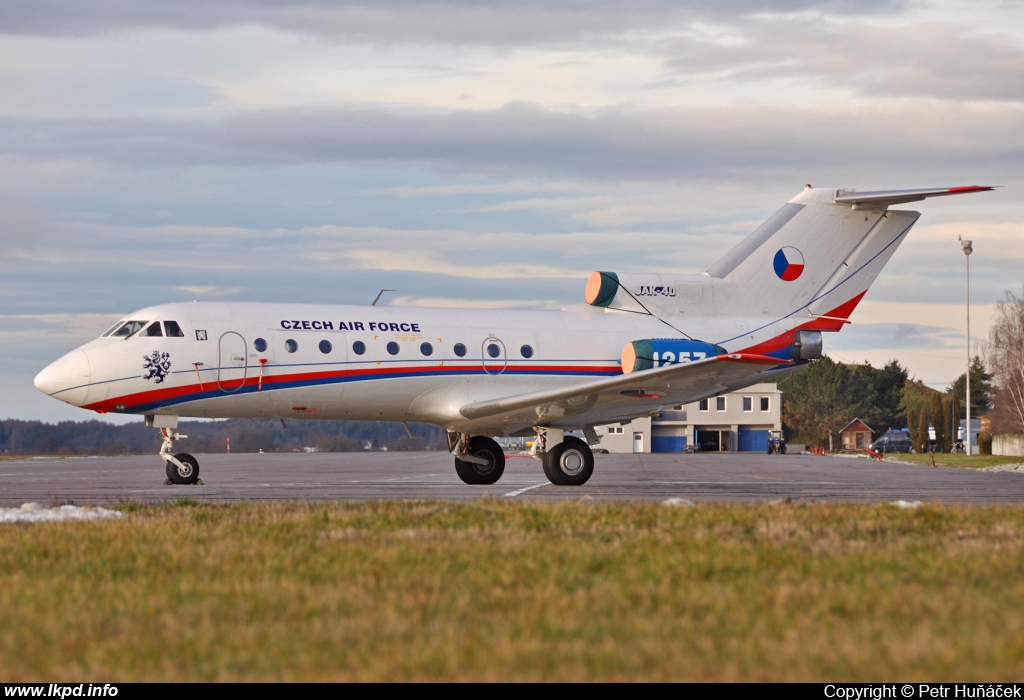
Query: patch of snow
x=35 y=513
x=1019 y=468
x=676 y=502
x=907 y=504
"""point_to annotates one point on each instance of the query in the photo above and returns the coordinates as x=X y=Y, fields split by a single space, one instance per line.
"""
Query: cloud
x=932 y=60
x=510 y=23
x=615 y=143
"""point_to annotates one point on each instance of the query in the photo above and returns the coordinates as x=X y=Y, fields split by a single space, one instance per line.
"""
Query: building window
x=703 y=405
x=615 y=430
x=748 y=404
x=719 y=403
x=765 y=403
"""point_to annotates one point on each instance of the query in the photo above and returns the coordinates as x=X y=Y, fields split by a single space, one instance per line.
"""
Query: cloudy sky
x=487 y=154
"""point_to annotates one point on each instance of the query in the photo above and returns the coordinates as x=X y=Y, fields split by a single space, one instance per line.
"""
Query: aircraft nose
x=66 y=379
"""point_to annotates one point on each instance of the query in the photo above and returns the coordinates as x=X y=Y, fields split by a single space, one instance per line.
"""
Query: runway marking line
x=513 y=494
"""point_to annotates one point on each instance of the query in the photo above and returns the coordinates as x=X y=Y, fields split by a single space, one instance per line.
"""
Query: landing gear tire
x=188 y=473
x=482 y=474
x=569 y=463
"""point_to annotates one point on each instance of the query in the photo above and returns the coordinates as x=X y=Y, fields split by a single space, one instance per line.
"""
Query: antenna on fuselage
x=649 y=312
x=377 y=298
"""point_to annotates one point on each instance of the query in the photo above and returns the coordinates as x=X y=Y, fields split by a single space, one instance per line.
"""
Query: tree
x=880 y=393
x=1006 y=358
x=938 y=423
x=912 y=423
x=947 y=426
x=817 y=405
x=918 y=395
x=955 y=416
x=922 y=444
x=981 y=388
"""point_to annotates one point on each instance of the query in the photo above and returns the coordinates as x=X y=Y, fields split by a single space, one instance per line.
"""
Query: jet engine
x=658 y=352
x=807 y=345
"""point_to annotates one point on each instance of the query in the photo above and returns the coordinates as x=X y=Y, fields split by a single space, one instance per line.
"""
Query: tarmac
x=725 y=477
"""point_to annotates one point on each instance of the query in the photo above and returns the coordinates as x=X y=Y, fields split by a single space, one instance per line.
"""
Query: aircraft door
x=232 y=366
x=493 y=355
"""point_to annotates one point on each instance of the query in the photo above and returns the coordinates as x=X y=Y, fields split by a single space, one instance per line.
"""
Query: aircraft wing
x=875 y=200
x=625 y=396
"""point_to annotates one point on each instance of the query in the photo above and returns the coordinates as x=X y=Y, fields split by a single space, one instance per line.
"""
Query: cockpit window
x=112 y=329
x=173 y=329
x=129 y=329
x=153 y=330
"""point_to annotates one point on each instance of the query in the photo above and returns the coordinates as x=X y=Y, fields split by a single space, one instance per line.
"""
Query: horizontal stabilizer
x=876 y=200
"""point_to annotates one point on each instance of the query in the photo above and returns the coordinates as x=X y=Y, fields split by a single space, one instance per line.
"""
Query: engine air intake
x=658 y=352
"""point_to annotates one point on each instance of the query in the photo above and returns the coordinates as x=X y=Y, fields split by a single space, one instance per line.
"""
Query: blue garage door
x=753 y=441
x=671 y=443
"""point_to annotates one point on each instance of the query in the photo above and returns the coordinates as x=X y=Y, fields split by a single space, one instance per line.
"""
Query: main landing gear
x=568 y=461
x=182 y=468
x=478 y=459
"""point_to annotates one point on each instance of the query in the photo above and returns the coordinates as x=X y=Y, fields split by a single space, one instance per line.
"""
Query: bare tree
x=1006 y=360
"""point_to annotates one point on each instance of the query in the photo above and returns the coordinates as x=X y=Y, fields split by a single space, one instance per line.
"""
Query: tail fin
x=817 y=255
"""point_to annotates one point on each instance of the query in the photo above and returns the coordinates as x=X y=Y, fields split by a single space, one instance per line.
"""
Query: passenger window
x=260 y=344
x=290 y=345
x=173 y=329
x=359 y=347
x=526 y=351
x=460 y=349
x=392 y=348
x=153 y=331
x=325 y=346
x=129 y=329
x=427 y=349
x=493 y=350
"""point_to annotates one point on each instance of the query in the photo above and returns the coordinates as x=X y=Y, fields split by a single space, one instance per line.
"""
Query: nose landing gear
x=182 y=468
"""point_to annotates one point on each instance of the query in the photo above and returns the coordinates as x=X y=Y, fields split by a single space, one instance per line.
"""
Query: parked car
x=892 y=441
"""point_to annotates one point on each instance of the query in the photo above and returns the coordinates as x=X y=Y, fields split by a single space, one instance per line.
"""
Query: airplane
x=644 y=342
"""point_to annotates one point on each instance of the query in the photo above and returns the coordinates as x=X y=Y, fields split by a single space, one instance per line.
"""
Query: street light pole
x=968 y=248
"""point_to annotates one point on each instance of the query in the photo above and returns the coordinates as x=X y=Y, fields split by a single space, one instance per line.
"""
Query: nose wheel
x=186 y=471
x=182 y=468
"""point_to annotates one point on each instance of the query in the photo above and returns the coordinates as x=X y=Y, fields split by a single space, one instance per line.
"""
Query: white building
x=736 y=422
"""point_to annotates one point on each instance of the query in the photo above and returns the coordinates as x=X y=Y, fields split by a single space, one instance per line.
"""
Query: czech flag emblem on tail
x=788 y=264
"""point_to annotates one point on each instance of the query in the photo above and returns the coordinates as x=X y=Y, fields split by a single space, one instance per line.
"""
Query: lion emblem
x=157 y=366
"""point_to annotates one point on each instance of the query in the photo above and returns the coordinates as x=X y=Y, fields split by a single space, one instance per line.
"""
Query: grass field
x=497 y=590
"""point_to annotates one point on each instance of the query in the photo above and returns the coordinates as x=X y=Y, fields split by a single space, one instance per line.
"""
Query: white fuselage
x=302 y=360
